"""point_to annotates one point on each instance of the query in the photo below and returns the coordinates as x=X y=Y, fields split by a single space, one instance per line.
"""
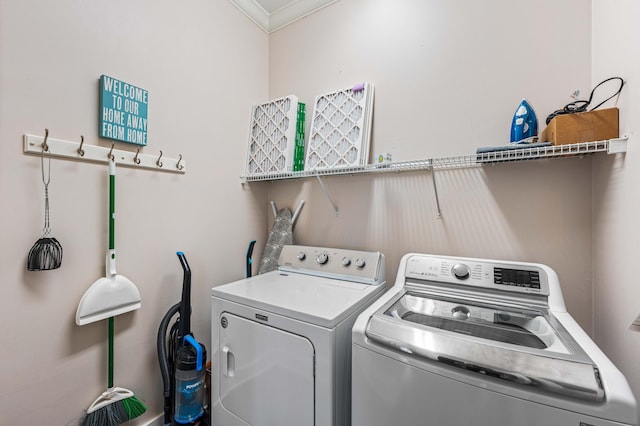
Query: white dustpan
x=113 y=294
x=109 y=296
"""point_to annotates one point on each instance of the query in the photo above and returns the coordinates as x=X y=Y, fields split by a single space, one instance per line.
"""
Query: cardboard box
x=589 y=126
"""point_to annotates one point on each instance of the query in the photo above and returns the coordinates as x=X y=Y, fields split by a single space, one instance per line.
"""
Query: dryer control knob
x=322 y=258
x=460 y=271
x=346 y=261
x=360 y=262
x=301 y=256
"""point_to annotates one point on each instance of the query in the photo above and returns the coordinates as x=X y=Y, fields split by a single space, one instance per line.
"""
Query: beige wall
x=616 y=232
x=448 y=77
x=203 y=64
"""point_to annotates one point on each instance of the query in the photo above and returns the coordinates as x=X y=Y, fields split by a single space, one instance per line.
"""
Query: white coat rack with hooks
x=81 y=151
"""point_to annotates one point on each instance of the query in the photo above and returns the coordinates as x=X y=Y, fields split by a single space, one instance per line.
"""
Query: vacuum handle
x=185 y=303
x=198 y=347
x=249 y=260
x=184 y=263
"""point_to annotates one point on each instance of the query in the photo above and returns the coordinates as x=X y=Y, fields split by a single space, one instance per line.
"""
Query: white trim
x=294 y=10
x=253 y=11
x=291 y=12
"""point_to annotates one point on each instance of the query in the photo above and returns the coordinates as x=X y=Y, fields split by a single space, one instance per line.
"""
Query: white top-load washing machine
x=461 y=341
x=281 y=341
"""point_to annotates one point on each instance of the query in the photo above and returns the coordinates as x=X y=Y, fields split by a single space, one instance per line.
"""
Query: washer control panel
x=352 y=265
x=522 y=278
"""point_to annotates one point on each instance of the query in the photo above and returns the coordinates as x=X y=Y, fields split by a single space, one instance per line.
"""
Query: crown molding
x=291 y=12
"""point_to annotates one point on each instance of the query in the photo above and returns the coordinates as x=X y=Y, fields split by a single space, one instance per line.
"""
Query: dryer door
x=266 y=374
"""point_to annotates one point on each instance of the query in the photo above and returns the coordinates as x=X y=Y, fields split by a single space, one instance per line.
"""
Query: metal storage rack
x=610 y=146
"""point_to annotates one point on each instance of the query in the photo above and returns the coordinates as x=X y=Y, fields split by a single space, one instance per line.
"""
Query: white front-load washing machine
x=281 y=341
x=460 y=341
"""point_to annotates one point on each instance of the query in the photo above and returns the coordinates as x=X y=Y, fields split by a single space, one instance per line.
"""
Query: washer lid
x=317 y=300
x=518 y=344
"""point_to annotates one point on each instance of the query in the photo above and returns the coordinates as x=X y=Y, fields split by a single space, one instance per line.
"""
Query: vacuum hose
x=163 y=358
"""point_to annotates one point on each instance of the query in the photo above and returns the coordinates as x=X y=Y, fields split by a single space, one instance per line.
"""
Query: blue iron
x=524 y=124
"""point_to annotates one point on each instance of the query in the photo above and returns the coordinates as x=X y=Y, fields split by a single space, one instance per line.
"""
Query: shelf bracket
x=328 y=195
x=435 y=187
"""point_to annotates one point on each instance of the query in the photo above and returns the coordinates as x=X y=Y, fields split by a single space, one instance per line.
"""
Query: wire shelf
x=610 y=146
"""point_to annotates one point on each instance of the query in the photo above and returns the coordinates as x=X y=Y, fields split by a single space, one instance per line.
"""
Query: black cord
x=582 y=105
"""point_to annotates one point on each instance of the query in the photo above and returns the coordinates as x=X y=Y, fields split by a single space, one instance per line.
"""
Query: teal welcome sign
x=123 y=111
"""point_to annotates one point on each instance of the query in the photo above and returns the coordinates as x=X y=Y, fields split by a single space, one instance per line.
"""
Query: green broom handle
x=110 y=377
x=112 y=210
x=112 y=204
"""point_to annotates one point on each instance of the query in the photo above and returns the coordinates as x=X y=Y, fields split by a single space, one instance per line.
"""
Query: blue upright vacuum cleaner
x=182 y=362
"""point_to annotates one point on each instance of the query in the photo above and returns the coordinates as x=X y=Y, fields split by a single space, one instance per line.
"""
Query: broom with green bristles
x=109 y=296
x=115 y=405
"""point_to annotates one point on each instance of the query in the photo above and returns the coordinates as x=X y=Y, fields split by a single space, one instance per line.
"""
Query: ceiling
x=271 y=15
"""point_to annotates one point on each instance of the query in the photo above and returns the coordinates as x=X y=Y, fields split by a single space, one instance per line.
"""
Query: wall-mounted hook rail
x=81 y=151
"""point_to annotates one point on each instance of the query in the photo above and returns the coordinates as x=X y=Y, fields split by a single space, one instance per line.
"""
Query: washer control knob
x=360 y=263
x=301 y=256
x=322 y=258
x=460 y=271
x=346 y=261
